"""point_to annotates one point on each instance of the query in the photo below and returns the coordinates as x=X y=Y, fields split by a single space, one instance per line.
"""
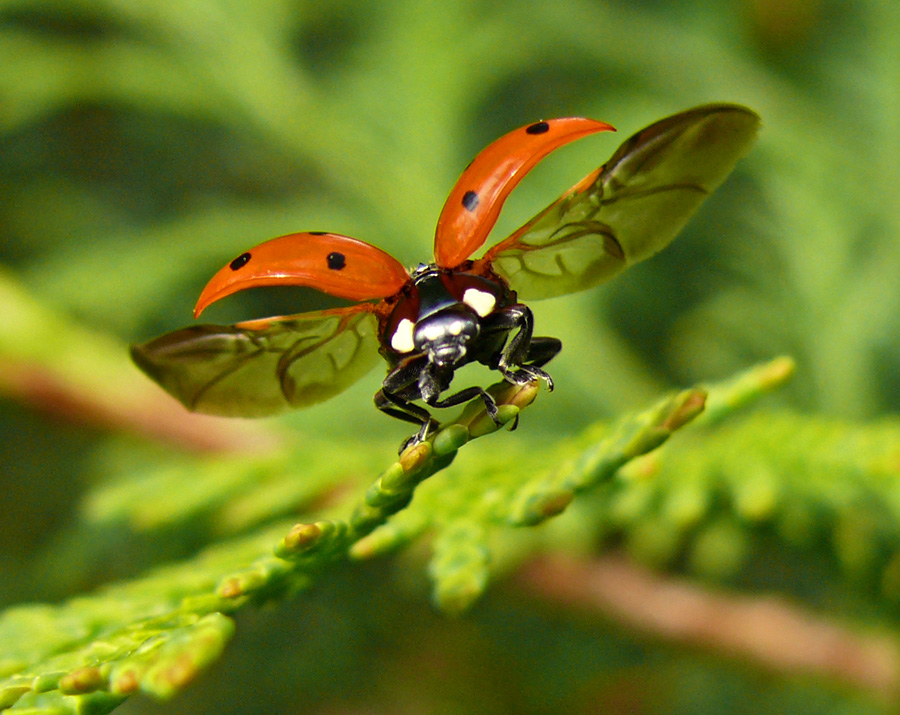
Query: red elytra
x=300 y=259
x=363 y=272
x=494 y=173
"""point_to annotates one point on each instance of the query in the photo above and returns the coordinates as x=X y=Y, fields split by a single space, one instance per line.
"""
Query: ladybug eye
x=336 y=260
x=239 y=262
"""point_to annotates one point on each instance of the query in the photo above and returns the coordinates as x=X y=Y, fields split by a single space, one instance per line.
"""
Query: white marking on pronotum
x=402 y=339
x=480 y=301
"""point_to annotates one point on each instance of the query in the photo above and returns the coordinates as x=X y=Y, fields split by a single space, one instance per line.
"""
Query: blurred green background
x=145 y=143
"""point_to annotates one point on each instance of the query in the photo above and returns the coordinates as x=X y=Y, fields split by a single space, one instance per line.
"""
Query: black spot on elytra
x=470 y=201
x=336 y=261
x=538 y=128
x=317 y=233
x=239 y=262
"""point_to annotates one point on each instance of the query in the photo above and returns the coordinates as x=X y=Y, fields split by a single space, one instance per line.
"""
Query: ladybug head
x=444 y=336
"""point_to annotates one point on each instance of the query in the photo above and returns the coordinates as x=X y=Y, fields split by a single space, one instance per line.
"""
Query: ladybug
x=432 y=320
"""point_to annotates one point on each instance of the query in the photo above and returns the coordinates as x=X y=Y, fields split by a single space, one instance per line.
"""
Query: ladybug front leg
x=433 y=380
x=520 y=358
x=399 y=389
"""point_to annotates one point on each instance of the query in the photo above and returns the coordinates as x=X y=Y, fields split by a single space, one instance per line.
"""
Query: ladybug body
x=445 y=320
x=429 y=322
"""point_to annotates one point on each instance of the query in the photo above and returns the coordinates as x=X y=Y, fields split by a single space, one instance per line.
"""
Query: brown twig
x=766 y=630
x=135 y=410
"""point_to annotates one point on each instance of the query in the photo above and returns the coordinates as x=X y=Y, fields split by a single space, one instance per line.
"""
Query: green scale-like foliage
x=727 y=478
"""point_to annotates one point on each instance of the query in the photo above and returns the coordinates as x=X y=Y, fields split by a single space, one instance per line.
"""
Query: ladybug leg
x=408 y=412
x=490 y=404
x=402 y=409
x=517 y=361
x=433 y=381
x=542 y=350
x=395 y=398
x=412 y=380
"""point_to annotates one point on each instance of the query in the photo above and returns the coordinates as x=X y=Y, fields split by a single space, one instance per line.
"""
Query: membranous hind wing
x=628 y=209
x=263 y=367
